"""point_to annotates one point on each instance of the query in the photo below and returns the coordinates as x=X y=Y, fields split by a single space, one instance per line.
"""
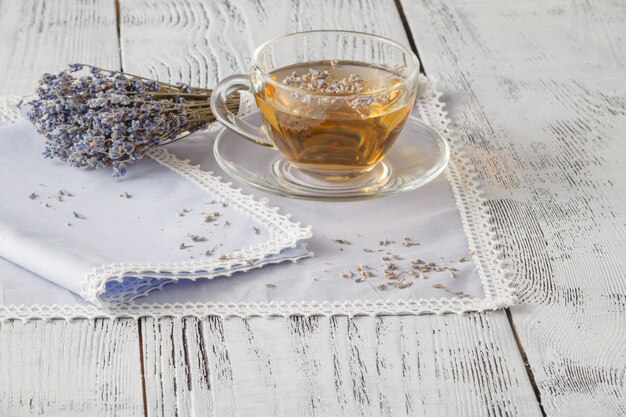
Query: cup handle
x=221 y=112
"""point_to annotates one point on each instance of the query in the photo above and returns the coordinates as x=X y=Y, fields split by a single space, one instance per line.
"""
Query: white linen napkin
x=111 y=240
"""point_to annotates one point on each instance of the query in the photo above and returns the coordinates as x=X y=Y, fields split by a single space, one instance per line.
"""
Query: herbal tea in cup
x=347 y=129
x=332 y=102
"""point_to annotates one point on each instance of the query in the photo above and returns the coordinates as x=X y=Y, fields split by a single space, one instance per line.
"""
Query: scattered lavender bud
x=409 y=242
x=33 y=196
x=256 y=230
x=79 y=216
x=389 y=274
x=391 y=266
x=341 y=241
x=365 y=274
x=125 y=195
x=183 y=246
x=403 y=283
x=196 y=238
x=211 y=216
x=270 y=285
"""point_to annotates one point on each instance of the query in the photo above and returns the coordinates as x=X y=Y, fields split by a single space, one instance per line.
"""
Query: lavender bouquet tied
x=92 y=117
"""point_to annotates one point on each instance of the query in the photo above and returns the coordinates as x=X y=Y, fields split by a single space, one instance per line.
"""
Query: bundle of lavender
x=92 y=117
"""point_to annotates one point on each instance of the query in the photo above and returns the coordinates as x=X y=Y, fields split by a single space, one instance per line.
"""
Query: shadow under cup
x=332 y=102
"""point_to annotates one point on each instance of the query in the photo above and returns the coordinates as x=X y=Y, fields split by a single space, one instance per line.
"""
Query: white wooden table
x=540 y=88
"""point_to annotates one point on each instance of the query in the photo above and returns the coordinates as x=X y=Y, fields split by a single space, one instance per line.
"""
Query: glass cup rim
x=267 y=79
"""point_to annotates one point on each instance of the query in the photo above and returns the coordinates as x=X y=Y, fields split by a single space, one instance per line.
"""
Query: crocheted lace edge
x=153 y=276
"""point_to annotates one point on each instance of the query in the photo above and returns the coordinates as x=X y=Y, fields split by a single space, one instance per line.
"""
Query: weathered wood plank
x=60 y=368
x=81 y=367
x=45 y=36
x=542 y=109
x=318 y=366
x=200 y=42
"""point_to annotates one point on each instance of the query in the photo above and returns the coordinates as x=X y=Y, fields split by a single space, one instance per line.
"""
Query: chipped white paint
x=540 y=101
x=201 y=42
x=45 y=36
x=58 y=368
x=392 y=366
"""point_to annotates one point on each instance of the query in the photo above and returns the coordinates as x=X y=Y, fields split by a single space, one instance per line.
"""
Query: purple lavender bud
x=75 y=67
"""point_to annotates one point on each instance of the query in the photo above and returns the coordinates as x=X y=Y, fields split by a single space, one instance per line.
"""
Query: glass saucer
x=419 y=155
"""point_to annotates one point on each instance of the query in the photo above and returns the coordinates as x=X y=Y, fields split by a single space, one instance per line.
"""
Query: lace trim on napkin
x=475 y=214
x=120 y=283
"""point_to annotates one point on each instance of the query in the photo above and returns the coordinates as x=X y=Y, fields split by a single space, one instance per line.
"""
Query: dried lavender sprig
x=109 y=118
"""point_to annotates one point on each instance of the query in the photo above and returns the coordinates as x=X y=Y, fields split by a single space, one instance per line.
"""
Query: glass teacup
x=332 y=102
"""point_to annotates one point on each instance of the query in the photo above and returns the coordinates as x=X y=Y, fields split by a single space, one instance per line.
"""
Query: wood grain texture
x=539 y=99
x=59 y=368
x=44 y=36
x=316 y=366
x=465 y=366
x=538 y=96
x=201 y=42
